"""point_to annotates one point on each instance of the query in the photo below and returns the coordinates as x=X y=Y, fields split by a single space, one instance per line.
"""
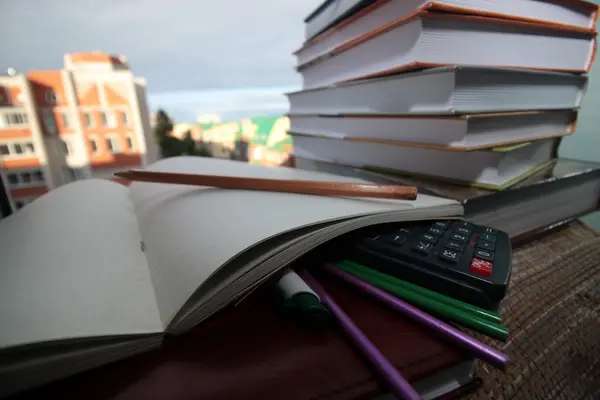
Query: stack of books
x=465 y=99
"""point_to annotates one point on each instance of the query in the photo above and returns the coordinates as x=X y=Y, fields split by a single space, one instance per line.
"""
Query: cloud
x=230 y=103
x=177 y=44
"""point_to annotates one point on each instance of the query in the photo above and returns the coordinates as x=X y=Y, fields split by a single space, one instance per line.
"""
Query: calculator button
x=481 y=267
x=483 y=244
x=457 y=237
x=422 y=247
x=462 y=224
x=395 y=239
x=462 y=231
x=404 y=231
x=436 y=231
x=484 y=254
x=429 y=238
x=488 y=237
x=455 y=246
x=440 y=224
x=450 y=255
x=490 y=231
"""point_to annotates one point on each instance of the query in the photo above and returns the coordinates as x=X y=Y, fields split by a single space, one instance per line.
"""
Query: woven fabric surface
x=552 y=309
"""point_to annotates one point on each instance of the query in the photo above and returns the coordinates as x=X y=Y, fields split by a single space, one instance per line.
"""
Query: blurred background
x=211 y=73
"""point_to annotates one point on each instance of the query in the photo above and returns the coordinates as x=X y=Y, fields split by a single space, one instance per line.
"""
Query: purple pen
x=398 y=385
x=453 y=335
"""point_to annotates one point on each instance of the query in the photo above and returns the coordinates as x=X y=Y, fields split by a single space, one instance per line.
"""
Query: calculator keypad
x=477 y=256
x=454 y=244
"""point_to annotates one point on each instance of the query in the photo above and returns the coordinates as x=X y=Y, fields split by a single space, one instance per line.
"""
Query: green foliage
x=163 y=126
x=171 y=146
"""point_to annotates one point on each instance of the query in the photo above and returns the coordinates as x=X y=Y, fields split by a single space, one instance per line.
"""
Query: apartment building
x=87 y=120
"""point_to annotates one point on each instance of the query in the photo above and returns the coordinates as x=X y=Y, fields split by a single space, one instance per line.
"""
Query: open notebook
x=96 y=271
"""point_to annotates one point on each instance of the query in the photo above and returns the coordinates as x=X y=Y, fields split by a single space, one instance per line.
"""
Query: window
x=49 y=121
x=129 y=142
x=124 y=118
x=12 y=119
x=104 y=118
x=51 y=97
x=112 y=143
x=17 y=149
x=13 y=179
x=65 y=120
x=38 y=176
x=66 y=146
x=16 y=119
x=26 y=177
x=93 y=145
x=88 y=119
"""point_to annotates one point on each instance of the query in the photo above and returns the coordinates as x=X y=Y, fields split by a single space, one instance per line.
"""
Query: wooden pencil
x=275 y=185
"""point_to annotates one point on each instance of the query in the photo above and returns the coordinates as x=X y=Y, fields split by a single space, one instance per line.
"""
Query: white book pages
x=72 y=267
x=575 y=14
x=190 y=232
x=483 y=167
x=497 y=130
x=441 y=131
x=430 y=208
x=446 y=91
x=432 y=39
x=459 y=132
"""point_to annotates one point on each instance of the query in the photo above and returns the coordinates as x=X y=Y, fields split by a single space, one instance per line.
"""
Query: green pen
x=478 y=311
x=434 y=307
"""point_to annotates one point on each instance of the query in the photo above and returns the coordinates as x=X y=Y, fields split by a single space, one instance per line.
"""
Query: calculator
x=456 y=258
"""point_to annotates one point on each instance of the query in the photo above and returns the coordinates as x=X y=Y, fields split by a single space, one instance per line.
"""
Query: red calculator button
x=481 y=267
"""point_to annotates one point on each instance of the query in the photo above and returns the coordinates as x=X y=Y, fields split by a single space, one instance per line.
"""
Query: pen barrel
x=442 y=310
x=398 y=385
x=350 y=266
x=453 y=335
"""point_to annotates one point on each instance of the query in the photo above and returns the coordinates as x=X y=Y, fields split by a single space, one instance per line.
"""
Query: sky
x=198 y=56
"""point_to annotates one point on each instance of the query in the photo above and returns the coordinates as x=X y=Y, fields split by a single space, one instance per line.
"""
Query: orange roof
x=96 y=57
x=44 y=81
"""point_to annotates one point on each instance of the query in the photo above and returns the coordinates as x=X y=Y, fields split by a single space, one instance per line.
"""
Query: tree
x=171 y=146
x=203 y=151
x=163 y=126
x=189 y=145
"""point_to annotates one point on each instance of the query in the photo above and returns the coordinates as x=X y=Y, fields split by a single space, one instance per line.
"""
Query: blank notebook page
x=72 y=267
x=189 y=232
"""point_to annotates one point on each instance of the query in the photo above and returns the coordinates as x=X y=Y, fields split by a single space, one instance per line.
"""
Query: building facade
x=259 y=140
x=87 y=120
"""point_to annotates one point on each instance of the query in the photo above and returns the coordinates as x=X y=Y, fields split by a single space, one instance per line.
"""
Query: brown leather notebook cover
x=254 y=353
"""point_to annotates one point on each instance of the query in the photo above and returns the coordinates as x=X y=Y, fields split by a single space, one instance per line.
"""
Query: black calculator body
x=456 y=258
